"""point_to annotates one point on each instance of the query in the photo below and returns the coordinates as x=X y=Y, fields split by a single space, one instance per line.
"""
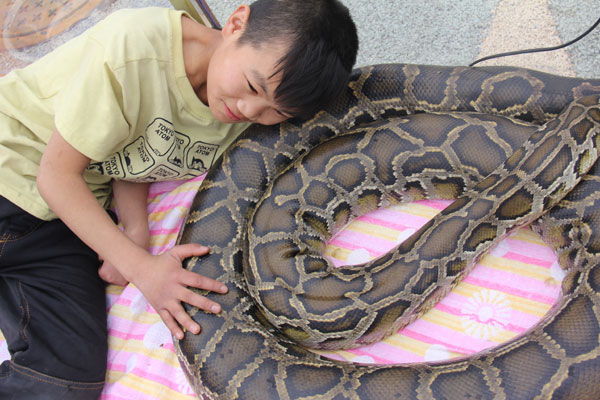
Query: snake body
x=277 y=195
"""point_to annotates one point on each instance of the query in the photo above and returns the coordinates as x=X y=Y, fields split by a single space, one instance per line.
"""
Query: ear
x=237 y=21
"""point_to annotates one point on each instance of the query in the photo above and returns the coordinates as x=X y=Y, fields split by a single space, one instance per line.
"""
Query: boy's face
x=240 y=86
x=240 y=83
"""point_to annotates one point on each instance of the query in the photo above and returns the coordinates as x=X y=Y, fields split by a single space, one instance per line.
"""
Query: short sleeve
x=89 y=108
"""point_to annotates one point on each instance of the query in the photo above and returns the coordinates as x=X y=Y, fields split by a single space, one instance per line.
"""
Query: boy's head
x=321 y=42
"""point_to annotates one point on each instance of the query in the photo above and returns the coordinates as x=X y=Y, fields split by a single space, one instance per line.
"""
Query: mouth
x=230 y=114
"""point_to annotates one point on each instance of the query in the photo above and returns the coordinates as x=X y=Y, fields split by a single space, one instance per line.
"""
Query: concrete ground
x=458 y=32
x=438 y=32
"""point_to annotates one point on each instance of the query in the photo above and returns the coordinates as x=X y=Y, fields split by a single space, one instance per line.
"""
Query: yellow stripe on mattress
x=518 y=303
x=114 y=290
x=520 y=268
x=456 y=323
x=374 y=230
x=341 y=253
x=124 y=312
x=527 y=235
x=417 y=209
x=158 y=216
x=132 y=382
x=138 y=347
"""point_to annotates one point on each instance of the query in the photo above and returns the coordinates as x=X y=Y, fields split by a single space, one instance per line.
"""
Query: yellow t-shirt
x=119 y=94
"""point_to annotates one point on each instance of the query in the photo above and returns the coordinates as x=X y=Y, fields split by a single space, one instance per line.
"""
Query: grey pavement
x=446 y=32
x=439 y=32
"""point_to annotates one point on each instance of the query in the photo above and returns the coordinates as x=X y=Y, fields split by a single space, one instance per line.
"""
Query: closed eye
x=282 y=114
x=252 y=87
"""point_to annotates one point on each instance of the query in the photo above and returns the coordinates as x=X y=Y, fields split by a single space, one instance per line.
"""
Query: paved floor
x=408 y=31
x=458 y=32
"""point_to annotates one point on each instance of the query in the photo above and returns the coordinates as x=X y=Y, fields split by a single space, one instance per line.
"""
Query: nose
x=251 y=108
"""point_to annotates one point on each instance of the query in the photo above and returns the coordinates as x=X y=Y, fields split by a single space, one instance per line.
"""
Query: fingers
x=200 y=302
x=198 y=281
x=175 y=316
x=170 y=285
x=171 y=323
x=183 y=251
x=192 y=279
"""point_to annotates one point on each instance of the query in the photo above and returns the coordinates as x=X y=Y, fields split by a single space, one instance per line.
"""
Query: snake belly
x=543 y=171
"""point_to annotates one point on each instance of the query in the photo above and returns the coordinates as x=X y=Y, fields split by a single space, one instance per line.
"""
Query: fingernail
x=223 y=289
x=215 y=309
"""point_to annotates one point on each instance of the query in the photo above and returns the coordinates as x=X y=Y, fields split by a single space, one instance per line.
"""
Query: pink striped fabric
x=505 y=295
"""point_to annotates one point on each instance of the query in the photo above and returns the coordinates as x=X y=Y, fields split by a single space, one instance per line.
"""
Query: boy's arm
x=131 y=203
x=130 y=200
x=160 y=278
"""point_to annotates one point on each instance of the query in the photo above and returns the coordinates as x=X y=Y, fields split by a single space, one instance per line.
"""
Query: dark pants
x=52 y=310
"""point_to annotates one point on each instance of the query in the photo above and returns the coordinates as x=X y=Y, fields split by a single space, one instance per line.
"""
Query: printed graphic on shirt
x=162 y=173
x=163 y=137
x=138 y=157
x=161 y=154
x=181 y=143
x=201 y=156
x=113 y=166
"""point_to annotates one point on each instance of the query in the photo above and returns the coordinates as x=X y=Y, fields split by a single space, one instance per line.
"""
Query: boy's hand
x=165 y=284
x=109 y=274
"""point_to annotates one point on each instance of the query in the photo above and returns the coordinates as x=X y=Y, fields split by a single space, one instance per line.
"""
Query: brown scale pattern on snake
x=242 y=352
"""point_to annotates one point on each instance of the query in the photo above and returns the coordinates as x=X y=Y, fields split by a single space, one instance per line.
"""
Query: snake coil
x=513 y=146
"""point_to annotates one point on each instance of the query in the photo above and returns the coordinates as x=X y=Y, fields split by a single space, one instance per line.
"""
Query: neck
x=199 y=43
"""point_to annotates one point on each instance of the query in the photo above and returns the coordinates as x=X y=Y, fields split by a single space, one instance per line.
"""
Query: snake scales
x=366 y=152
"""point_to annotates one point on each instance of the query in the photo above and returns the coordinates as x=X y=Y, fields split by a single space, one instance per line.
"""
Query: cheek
x=229 y=78
x=271 y=118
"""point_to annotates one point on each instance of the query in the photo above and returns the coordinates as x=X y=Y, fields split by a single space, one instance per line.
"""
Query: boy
x=145 y=95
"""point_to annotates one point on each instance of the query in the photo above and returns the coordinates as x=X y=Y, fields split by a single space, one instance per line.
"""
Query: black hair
x=322 y=45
